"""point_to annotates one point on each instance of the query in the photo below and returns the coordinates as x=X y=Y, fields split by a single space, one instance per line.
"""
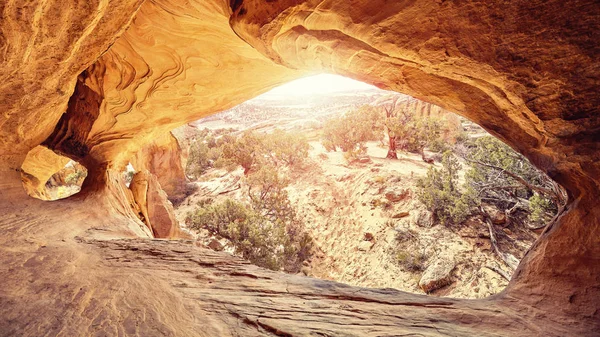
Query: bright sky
x=318 y=84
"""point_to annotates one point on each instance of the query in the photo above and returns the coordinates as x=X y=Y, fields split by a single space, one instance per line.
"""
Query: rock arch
x=125 y=72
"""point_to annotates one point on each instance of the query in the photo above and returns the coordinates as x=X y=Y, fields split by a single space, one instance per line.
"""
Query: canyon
x=98 y=82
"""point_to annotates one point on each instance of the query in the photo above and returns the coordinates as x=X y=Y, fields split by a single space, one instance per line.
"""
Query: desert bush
x=499 y=156
x=496 y=174
x=204 y=202
x=250 y=150
x=440 y=192
x=351 y=131
x=75 y=177
x=198 y=161
x=404 y=235
x=206 y=152
x=409 y=132
x=289 y=148
x=246 y=151
x=266 y=230
x=266 y=242
x=412 y=261
x=266 y=190
x=505 y=178
x=540 y=208
x=217 y=217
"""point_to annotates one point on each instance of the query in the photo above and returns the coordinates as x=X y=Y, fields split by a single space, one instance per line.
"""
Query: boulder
x=215 y=245
x=424 y=219
x=396 y=196
x=474 y=227
x=365 y=246
x=497 y=216
x=156 y=209
x=437 y=275
x=163 y=158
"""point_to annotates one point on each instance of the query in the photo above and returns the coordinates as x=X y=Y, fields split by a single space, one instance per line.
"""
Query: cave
x=97 y=82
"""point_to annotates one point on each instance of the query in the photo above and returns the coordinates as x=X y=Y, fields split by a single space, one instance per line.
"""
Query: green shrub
x=268 y=197
x=289 y=148
x=440 y=193
x=492 y=172
x=539 y=208
x=404 y=235
x=250 y=150
x=217 y=217
x=265 y=231
x=198 y=160
x=414 y=133
x=351 y=131
x=246 y=151
x=76 y=177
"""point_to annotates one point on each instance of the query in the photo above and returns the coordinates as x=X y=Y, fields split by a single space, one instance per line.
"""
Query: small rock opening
x=127 y=174
x=49 y=176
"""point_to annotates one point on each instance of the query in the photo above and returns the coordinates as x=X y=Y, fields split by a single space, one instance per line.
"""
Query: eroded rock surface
x=40 y=165
x=96 y=80
x=162 y=158
x=156 y=209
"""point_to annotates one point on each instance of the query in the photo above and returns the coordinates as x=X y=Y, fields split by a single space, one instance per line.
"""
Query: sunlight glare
x=321 y=84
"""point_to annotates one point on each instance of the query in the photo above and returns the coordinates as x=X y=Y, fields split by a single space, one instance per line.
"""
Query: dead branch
x=521 y=181
x=499 y=272
x=509 y=259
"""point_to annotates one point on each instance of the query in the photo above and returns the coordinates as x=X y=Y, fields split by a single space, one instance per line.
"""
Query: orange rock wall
x=98 y=80
x=156 y=209
x=163 y=158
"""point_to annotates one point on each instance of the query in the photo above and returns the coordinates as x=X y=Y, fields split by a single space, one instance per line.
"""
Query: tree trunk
x=392 y=148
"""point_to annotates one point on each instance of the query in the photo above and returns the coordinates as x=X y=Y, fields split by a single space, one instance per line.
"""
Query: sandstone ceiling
x=96 y=80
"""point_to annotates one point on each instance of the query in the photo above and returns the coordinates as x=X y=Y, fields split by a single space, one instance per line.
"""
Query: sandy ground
x=342 y=204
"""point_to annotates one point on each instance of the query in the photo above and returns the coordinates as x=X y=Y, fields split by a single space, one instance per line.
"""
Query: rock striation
x=95 y=81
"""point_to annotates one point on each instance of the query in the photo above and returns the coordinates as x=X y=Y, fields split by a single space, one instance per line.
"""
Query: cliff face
x=96 y=80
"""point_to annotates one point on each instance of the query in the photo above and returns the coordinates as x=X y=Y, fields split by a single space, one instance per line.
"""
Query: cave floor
x=72 y=267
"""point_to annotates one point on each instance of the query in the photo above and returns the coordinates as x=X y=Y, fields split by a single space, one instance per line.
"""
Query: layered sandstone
x=96 y=80
x=162 y=157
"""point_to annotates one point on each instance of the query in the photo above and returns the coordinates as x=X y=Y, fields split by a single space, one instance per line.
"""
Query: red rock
x=154 y=205
x=215 y=245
